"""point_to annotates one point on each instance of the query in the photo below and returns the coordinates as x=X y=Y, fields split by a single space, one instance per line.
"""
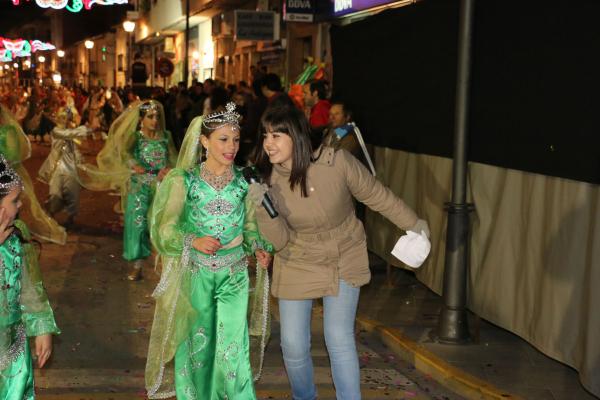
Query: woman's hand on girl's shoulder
x=206 y=244
x=263 y=258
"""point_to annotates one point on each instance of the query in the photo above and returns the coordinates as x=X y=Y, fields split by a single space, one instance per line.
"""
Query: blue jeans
x=339 y=313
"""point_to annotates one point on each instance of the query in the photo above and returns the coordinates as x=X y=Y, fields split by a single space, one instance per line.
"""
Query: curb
x=428 y=363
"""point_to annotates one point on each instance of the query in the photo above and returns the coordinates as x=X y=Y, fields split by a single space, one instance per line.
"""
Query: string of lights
x=73 y=5
x=12 y=48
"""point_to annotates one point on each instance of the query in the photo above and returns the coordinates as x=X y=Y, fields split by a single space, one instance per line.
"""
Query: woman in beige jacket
x=320 y=244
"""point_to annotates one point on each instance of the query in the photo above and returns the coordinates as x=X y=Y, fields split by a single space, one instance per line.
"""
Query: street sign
x=299 y=10
x=165 y=67
x=254 y=25
x=345 y=7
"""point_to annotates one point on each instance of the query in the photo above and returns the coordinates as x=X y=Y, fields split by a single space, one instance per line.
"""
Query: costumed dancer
x=59 y=170
x=204 y=229
x=320 y=244
x=24 y=307
x=93 y=110
x=16 y=147
x=138 y=153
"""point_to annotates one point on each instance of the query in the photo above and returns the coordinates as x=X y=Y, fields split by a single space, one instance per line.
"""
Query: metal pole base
x=453 y=327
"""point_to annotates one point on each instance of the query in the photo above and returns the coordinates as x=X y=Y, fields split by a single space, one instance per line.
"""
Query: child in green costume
x=24 y=308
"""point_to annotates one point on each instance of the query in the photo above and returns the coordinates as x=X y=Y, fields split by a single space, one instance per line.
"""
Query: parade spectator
x=255 y=107
x=256 y=74
x=271 y=87
x=183 y=105
x=338 y=134
x=218 y=99
x=314 y=193
x=315 y=98
x=209 y=86
x=139 y=73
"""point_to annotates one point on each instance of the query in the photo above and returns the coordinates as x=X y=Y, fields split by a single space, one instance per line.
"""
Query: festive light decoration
x=9 y=49
x=36 y=45
x=75 y=5
x=5 y=55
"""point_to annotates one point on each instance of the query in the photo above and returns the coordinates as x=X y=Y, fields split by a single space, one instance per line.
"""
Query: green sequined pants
x=214 y=362
x=16 y=380
x=136 y=237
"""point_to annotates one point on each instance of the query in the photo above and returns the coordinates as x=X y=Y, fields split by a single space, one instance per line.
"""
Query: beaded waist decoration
x=235 y=261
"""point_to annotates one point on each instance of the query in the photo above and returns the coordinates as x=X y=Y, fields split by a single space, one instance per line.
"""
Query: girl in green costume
x=204 y=229
x=24 y=308
x=15 y=146
x=150 y=161
x=138 y=153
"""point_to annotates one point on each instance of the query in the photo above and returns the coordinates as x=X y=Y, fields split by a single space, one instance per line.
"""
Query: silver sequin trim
x=199 y=340
x=228 y=355
x=153 y=390
x=265 y=321
x=218 y=182
x=235 y=262
x=15 y=350
x=219 y=206
x=190 y=393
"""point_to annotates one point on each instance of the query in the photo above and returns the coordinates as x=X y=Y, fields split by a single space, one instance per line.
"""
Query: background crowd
x=36 y=107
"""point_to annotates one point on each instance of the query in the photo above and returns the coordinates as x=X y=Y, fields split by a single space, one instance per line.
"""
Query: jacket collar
x=325 y=156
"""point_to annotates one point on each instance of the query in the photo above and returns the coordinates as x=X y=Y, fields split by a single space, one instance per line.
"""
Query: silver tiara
x=222 y=118
x=9 y=179
x=149 y=106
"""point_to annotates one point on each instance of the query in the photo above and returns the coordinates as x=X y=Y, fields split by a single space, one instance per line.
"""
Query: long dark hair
x=145 y=109
x=292 y=122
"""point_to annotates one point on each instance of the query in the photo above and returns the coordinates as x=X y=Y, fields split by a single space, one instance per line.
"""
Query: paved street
x=106 y=319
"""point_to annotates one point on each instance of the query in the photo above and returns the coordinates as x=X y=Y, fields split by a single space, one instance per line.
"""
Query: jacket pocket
x=292 y=252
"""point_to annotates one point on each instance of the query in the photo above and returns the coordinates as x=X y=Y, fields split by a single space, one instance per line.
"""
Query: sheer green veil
x=114 y=170
x=16 y=147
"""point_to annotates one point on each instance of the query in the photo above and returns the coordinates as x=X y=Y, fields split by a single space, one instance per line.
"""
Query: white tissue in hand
x=412 y=249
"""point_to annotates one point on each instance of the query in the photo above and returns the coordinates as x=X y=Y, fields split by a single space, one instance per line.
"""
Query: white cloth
x=412 y=249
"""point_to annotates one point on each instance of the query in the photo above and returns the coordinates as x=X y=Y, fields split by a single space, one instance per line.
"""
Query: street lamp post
x=186 y=61
x=42 y=60
x=453 y=325
x=129 y=27
x=89 y=45
x=60 y=54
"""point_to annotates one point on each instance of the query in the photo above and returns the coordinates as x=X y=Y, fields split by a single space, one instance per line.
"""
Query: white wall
x=163 y=14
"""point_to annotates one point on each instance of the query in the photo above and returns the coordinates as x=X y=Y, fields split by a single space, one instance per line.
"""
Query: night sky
x=12 y=16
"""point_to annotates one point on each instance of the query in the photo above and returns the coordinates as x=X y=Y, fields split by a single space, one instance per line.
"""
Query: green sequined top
x=151 y=154
x=199 y=209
